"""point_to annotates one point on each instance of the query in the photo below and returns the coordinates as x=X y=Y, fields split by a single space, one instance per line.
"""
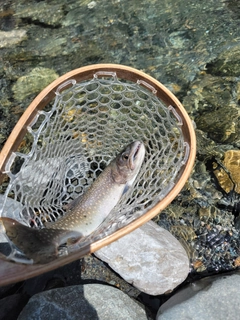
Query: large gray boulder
x=83 y=302
x=212 y=298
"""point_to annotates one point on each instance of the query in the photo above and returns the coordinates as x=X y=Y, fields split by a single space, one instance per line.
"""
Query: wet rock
x=41 y=12
x=10 y=38
x=178 y=39
x=92 y=4
x=49 y=44
x=33 y=82
x=238 y=91
x=228 y=174
x=227 y=63
x=92 y=301
x=209 y=92
x=207 y=148
x=220 y=124
x=150 y=258
x=210 y=298
x=78 y=11
x=7 y=22
x=213 y=103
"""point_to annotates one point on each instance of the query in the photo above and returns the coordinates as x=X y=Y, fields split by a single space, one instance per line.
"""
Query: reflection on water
x=190 y=46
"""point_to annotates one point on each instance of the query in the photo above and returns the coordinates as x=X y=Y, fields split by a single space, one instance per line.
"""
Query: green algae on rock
x=33 y=82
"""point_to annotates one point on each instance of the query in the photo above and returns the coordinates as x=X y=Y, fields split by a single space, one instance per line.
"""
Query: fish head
x=128 y=163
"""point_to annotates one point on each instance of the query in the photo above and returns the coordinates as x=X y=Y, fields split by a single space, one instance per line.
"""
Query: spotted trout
x=83 y=215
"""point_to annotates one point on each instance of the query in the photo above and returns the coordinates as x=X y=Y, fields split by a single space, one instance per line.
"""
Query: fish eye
x=125 y=156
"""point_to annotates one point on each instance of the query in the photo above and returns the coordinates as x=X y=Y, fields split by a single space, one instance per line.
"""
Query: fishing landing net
x=74 y=129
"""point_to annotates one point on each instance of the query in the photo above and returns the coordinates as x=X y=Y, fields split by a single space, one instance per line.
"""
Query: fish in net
x=73 y=139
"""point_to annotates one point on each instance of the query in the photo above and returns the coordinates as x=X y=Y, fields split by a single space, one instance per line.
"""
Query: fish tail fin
x=40 y=245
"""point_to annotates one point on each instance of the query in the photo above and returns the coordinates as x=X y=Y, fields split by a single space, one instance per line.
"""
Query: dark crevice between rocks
x=234 y=6
x=231 y=200
x=29 y=21
x=214 y=68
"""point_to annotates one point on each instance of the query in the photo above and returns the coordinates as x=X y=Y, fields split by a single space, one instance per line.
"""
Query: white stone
x=150 y=258
x=92 y=4
x=9 y=38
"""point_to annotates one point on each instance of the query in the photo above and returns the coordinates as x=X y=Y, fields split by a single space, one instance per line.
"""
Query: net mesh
x=74 y=138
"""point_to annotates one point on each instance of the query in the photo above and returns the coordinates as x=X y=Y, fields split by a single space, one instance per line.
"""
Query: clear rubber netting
x=73 y=139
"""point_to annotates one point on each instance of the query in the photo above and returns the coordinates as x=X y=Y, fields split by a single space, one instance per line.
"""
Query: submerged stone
x=227 y=63
x=220 y=124
x=33 y=82
x=150 y=258
x=213 y=103
x=229 y=174
x=41 y=12
x=10 y=38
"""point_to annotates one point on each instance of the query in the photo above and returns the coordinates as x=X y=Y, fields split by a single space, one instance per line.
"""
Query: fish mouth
x=134 y=154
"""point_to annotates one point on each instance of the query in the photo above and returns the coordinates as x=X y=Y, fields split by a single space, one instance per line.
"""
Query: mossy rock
x=221 y=124
x=227 y=64
x=33 y=83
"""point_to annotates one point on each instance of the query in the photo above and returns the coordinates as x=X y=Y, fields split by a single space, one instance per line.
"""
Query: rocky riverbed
x=192 y=48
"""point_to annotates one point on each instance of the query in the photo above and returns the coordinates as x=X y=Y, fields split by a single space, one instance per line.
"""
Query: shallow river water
x=192 y=47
